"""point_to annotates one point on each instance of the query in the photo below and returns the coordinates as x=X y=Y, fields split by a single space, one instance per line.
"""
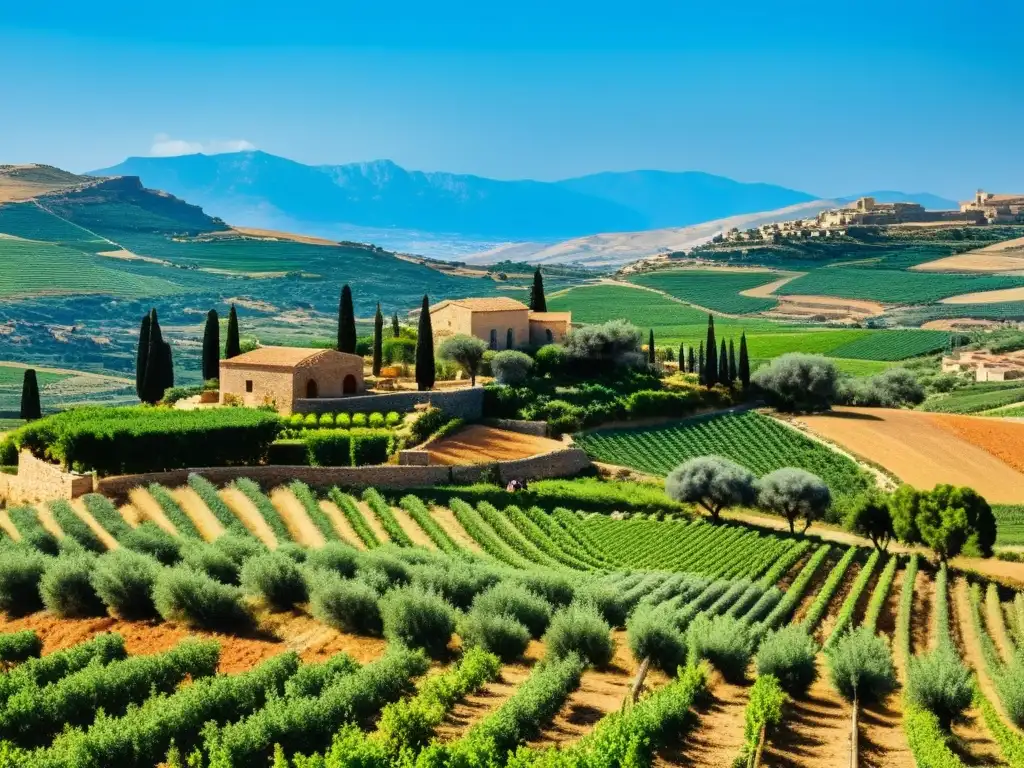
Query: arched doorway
x=348 y=386
x=549 y=336
x=510 y=339
x=494 y=338
x=312 y=390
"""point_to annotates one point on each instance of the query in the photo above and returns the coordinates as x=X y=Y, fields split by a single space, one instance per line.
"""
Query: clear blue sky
x=830 y=98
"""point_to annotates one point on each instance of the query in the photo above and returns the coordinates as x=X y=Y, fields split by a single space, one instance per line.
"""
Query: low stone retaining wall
x=39 y=480
x=534 y=428
x=564 y=462
x=467 y=403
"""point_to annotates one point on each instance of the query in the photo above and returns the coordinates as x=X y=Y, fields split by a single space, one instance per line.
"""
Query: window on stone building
x=248 y=385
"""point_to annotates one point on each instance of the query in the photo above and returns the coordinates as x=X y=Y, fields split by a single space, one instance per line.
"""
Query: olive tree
x=615 y=342
x=467 y=352
x=952 y=519
x=794 y=493
x=714 y=482
x=798 y=382
x=893 y=388
x=511 y=366
x=870 y=516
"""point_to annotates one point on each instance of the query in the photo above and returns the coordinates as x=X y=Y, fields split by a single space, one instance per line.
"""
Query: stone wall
x=534 y=428
x=465 y=403
x=39 y=480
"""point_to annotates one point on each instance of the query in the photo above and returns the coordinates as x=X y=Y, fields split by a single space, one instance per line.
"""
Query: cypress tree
x=538 y=303
x=732 y=362
x=378 y=341
x=723 y=364
x=346 y=322
x=426 y=372
x=691 y=362
x=166 y=367
x=156 y=377
x=650 y=349
x=233 y=346
x=142 y=356
x=711 y=361
x=682 y=358
x=30 y=407
x=702 y=369
x=744 y=368
x=396 y=329
x=211 y=346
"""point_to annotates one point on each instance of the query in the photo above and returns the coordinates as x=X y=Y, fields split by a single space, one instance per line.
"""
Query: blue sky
x=832 y=99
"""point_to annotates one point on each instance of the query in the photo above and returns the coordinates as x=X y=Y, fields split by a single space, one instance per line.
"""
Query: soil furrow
x=341 y=524
x=412 y=529
x=48 y=522
x=824 y=629
x=450 y=525
x=295 y=517
x=78 y=505
x=922 y=638
x=251 y=518
x=151 y=510
x=717 y=736
x=373 y=522
x=202 y=518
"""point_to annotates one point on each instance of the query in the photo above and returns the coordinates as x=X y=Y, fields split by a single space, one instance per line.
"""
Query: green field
x=717 y=290
x=978 y=398
x=893 y=345
x=59 y=390
x=30 y=222
x=891 y=286
x=755 y=441
x=1009 y=524
x=34 y=268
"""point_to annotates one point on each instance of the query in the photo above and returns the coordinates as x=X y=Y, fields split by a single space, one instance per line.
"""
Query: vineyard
x=892 y=286
x=893 y=345
x=238 y=626
x=717 y=290
x=756 y=442
x=978 y=398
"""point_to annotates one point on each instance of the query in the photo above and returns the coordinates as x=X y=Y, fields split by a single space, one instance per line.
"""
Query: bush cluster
x=275 y=579
x=21 y=570
x=67 y=589
x=507 y=598
x=16 y=647
x=349 y=447
x=788 y=655
x=348 y=605
x=194 y=599
x=124 y=581
x=501 y=635
x=580 y=630
x=861 y=668
x=299 y=421
x=724 y=641
x=418 y=619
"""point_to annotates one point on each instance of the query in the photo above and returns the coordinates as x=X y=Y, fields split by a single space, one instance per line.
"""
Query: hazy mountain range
x=262 y=190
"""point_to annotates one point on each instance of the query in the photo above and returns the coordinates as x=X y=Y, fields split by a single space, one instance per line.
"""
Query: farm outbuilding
x=501 y=322
x=280 y=376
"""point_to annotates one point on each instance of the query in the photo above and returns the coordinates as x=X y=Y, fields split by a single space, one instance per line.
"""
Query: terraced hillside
x=533 y=628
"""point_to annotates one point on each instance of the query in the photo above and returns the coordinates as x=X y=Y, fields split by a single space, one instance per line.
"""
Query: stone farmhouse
x=987 y=366
x=280 y=376
x=501 y=322
x=996 y=209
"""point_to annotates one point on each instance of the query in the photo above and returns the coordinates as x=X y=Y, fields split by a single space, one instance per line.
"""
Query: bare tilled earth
x=481 y=445
x=450 y=525
x=412 y=529
x=295 y=517
x=192 y=505
x=78 y=505
x=924 y=448
x=341 y=524
x=251 y=518
x=373 y=522
x=143 y=501
x=717 y=736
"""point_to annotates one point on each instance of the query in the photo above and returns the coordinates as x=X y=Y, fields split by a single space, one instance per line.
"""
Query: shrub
x=861 y=668
x=376 y=421
x=550 y=359
x=329 y=448
x=334 y=557
x=383 y=561
x=150 y=539
x=371 y=446
x=418 y=619
x=239 y=548
x=359 y=420
x=656 y=403
x=509 y=599
x=798 y=382
x=940 y=683
x=194 y=599
x=428 y=423
x=288 y=453
x=764 y=711
x=326 y=420
x=554 y=586
x=870 y=516
x=501 y=635
x=392 y=419
x=456 y=582
x=67 y=590
x=293 y=551
x=608 y=600
x=16 y=647
x=724 y=641
x=346 y=604
x=275 y=579
x=616 y=342
x=713 y=482
x=124 y=581
x=467 y=352
x=894 y=388
x=788 y=655
x=653 y=634
x=21 y=570
x=580 y=629
x=211 y=560
x=511 y=367
x=794 y=493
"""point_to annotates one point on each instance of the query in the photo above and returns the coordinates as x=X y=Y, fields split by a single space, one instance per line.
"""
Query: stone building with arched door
x=500 y=321
x=279 y=376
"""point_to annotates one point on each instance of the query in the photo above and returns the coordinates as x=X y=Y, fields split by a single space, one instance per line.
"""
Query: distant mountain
x=259 y=189
x=928 y=200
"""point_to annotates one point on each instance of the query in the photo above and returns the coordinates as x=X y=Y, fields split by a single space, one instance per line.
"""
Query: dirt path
x=48 y=522
x=151 y=510
x=883 y=742
x=995 y=620
x=481 y=445
x=295 y=517
x=921 y=637
x=341 y=524
x=101 y=533
x=7 y=525
x=412 y=529
x=372 y=521
x=822 y=632
x=717 y=737
x=767 y=291
x=202 y=518
x=815 y=731
x=251 y=518
x=448 y=522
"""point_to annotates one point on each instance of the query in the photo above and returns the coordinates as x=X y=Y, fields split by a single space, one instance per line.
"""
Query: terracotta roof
x=278 y=357
x=551 y=315
x=494 y=304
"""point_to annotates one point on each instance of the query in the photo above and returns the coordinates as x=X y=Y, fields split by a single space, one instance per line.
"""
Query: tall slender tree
x=711 y=361
x=233 y=345
x=153 y=385
x=723 y=364
x=396 y=329
x=732 y=362
x=426 y=370
x=166 y=367
x=346 y=322
x=30 y=406
x=691 y=362
x=378 y=341
x=538 y=302
x=744 y=366
x=142 y=356
x=702 y=369
x=651 y=356
x=211 y=346
x=682 y=358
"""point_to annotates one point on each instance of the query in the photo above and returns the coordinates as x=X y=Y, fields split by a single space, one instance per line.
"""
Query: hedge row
x=349 y=448
x=379 y=507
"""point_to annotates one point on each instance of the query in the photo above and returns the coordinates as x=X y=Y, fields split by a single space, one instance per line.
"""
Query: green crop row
x=308 y=500
x=355 y=518
x=844 y=619
x=817 y=610
x=421 y=515
x=265 y=507
x=379 y=507
x=510 y=535
x=182 y=523
x=893 y=345
x=881 y=594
